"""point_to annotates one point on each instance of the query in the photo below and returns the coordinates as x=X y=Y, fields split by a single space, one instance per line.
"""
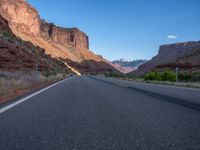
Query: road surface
x=85 y=113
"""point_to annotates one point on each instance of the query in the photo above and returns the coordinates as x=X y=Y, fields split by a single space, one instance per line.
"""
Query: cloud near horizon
x=172 y=37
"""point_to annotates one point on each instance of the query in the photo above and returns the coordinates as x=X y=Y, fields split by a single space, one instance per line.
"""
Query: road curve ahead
x=87 y=114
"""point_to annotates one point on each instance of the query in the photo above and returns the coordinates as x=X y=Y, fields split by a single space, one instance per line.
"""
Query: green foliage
x=168 y=76
x=160 y=76
x=185 y=76
x=152 y=75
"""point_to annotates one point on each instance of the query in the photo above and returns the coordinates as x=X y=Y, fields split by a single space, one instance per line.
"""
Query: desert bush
x=152 y=75
x=184 y=76
x=168 y=76
x=53 y=77
x=171 y=76
x=160 y=76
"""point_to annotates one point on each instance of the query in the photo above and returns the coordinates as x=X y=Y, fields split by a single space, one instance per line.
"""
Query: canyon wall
x=24 y=19
x=18 y=55
x=26 y=23
x=64 y=44
x=185 y=55
x=21 y=17
x=68 y=37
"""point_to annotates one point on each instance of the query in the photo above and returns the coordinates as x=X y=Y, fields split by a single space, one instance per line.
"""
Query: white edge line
x=30 y=96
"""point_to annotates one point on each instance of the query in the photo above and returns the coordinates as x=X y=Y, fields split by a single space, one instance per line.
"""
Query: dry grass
x=181 y=84
x=52 y=78
x=10 y=83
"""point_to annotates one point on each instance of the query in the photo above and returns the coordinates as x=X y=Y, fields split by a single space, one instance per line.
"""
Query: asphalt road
x=88 y=114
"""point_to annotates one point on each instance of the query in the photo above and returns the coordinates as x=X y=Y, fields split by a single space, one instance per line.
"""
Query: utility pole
x=177 y=74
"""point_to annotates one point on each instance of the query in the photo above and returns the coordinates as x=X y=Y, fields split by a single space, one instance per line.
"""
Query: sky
x=129 y=29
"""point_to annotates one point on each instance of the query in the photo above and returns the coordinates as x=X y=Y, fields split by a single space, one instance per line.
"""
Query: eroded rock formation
x=21 y=17
x=25 y=22
x=183 y=55
x=18 y=55
x=61 y=43
x=67 y=37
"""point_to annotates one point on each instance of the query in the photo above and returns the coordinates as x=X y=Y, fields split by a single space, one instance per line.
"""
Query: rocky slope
x=93 y=67
x=126 y=66
x=18 y=55
x=61 y=43
x=185 y=55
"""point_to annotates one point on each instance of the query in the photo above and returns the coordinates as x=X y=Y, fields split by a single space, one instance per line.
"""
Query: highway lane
x=87 y=114
x=182 y=93
x=188 y=97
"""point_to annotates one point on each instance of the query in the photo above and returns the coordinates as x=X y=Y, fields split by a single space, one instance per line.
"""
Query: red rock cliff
x=68 y=37
x=68 y=44
x=183 y=55
x=25 y=22
x=21 y=17
x=18 y=55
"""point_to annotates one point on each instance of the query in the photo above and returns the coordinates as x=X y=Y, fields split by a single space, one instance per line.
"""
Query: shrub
x=168 y=76
x=160 y=76
x=185 y=76
x=153 y=75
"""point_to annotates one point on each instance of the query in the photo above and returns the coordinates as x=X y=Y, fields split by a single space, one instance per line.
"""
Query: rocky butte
x=184 y=55
x=68 y=37
x=69 y=45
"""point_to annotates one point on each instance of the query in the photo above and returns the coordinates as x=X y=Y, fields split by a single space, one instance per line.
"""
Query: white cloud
x=172 y=37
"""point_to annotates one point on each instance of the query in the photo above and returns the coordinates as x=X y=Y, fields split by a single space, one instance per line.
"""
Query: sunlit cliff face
x=22 y=18
x=25 y=22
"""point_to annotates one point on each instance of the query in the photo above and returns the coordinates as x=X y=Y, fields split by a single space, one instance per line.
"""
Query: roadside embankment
x=16 y=84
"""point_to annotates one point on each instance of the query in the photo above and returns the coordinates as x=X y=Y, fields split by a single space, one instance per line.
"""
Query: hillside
x=185 y=55
x=18 y=55
x=61 y=43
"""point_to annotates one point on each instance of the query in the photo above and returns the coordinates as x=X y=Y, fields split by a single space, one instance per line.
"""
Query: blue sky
x=130 y=29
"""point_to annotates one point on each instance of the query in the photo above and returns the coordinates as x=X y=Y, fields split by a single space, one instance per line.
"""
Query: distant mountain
x=127 y=66
x=185 y=55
